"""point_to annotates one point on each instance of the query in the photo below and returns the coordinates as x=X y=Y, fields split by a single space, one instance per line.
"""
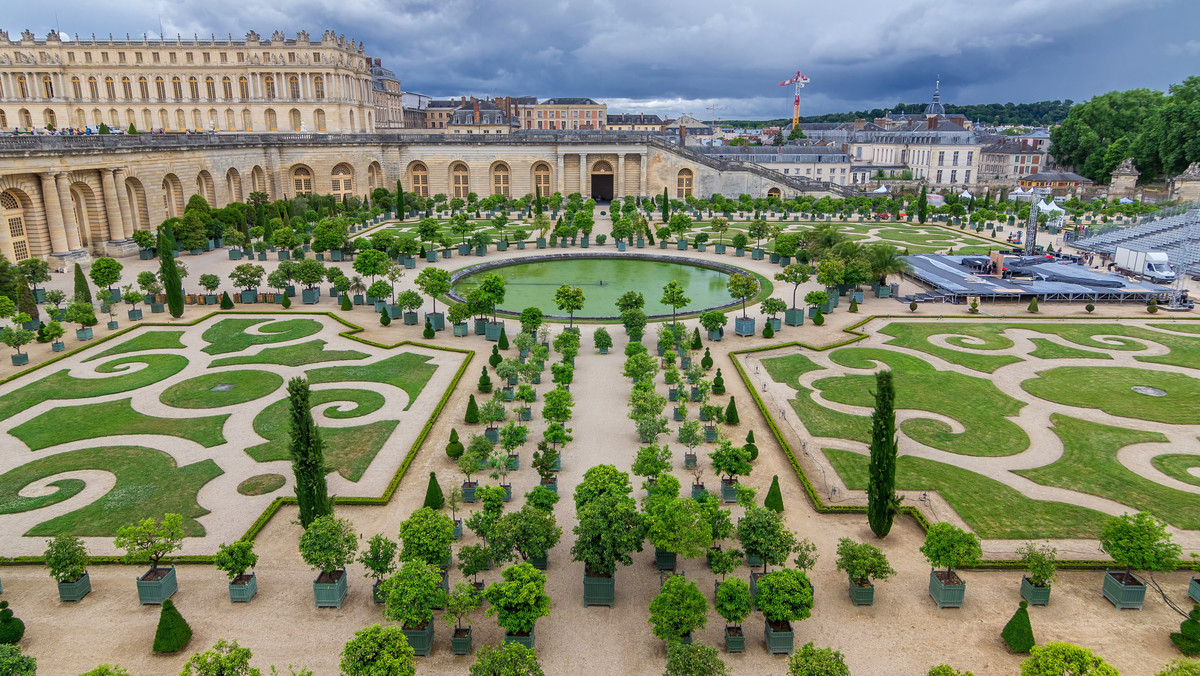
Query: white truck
x=1151 y=264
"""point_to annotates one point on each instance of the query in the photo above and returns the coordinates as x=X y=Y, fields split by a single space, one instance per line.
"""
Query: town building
x=257 y=84
x=388 y=98
x=413 y=106
x=437 y=113
x=635 y=122
x=1012 y=158
x=1060 y=183
x=818 y=163
x=563 y=113
x=480 y=117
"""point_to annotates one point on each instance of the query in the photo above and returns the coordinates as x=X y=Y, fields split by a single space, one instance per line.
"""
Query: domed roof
x=935 y=107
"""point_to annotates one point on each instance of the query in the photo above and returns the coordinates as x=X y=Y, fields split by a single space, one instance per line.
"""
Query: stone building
x=257 y=84
x=1124 y=180
x=1186 y=186
x=480 y=117
x=635 y=122
x=566 y=113
x=388 y=98
x=69 y=197
x=1012 y=159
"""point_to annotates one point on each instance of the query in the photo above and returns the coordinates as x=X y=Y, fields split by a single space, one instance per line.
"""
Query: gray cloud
x=669 y=58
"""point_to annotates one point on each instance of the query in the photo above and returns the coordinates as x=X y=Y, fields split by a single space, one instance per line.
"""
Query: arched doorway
x=683 y=184
x=233 y=185
x=258 y=179
x=541 y=178
x=774 y=192
x=172 y=196
x=343 y=182
x=302 y=180
x=418 y=179
x=205 y=188
x=14 y=219
x=500 y=180
x=602 y=181
x=137 y=202
x=460 y=180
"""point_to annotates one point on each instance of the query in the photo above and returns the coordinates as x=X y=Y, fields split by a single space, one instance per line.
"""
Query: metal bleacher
x=1178 y=236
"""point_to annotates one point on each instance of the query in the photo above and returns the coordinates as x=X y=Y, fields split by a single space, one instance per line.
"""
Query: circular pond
x=603 y=278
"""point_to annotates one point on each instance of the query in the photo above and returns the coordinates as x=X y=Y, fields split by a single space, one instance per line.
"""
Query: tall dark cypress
x=922 y=206
x=169 y=275
x=882 y=502
x=537 y=199
x=400 y=201
x=308 y=457
x=666 y=206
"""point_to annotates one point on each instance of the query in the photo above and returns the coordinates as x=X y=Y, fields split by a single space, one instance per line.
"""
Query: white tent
x=1125 y=200
x=1050 y=207
x=966 y=194
x=1018 y=191
x=881 y=189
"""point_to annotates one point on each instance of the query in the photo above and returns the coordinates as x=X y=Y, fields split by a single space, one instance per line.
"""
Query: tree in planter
x=308 y=457
x=328 y=545
x=1040 y=563
x=17 y=335
x=602 y=339
x=235 y=559
x=713 y=320
x=1064 y=658
x=226 y=658
x=772 y=307
x=732 y=461
x=608 y=530
x=882 y=502
x=950 y=547
x=433 y=282
x=413 y=593
x=784 y=596
x=652 y=460
x=679 y=526
x=562 y=373
x=795 y=274
x=519 y=600
x=492 y=287
x=634 y=320
x=149 y=540
x=694 y=659
x=56 y=297
x=762 y=533
x=492 y=411
x=742 y=286
x=461 y=603
x=66 y=558
x=380 y=290
x=510 y=659
x=862 y=562
x=210 y=282
x=377 y=650
x=82 y=313
x=170 y=277
x=426 y=535
x=105 y=272
x=569 y=299
x=674 y=296
x=379 y=558
x=530 y=532
x=531 y=318
x=53 y=332
x=640 y=367
x=1139 y=542
x=410 y=301
x=813 y=661
x=691 y=434
x=678 y=610
x=544 y=461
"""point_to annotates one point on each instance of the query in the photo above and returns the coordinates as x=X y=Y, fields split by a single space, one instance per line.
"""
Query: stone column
x=54 y=215
x=123 y=203
x=619 y=188
x=70 y=224
x=583 y=172
x=559 y=177
x=112 y=208
x=644 y=180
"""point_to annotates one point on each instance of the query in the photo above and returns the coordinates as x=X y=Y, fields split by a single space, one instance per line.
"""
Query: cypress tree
x=774 y=501
x=433 y=493
x=25 y=300
x=82 y=291
x=922 y=206
x=168 y=272
x=503 y=342
x=750 y=446
x=399 y=201
x=666 y=206
x=1018 y=633
x=882 y=501
x=731 y=414
x=226 y=301
x=537 y=199
x=308 y=456
x=173 y=632
x=472 y=414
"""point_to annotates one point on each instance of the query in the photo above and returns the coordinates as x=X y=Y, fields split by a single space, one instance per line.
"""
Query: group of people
x=89 y=131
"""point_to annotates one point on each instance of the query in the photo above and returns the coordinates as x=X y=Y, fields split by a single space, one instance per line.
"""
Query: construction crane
x=713 y=109
x=799 y=80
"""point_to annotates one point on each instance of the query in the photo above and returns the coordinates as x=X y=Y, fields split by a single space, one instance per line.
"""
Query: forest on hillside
x=1039 y=114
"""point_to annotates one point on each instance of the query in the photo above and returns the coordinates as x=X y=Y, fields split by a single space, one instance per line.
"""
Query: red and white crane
x=799 y=79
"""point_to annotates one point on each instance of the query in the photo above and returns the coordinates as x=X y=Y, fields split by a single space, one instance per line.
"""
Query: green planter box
x=331 y=594
x=1122 y=595
x=395 y=311
x=464 y=249
x=469 y=492
x=410 y=319
x=492 y=434
x=337 y=256
x=481 y=251
x=862 y=596
x=793 y=317
x=83 y=334
x=662 y=244
x=461 y=645
x=421 y=639
x=20 y=359
x=689 y=460
x=698 y=491
x=242 y=593
x=540 y=562
x=775 y=258
x=431 y=257
x=716 y=336
x=152 y=592
x=719 y=248
x=756 y=254
x=664 y=560
x=112 y=326
x=58 y=346
x=541 y=242
x=492 y=331
x=857 y=296
x=146 y=254
x=437 y=320
x=779 y=642
x=883 y=292
x=728 y=488
x=235 y=254
x=710 y=436
x=526 y=640
x=250 y=296
x=310 y=296
x=739 y=252
x=599 y=591
x=1194 y=590
x=620 y=246
x=1036 y=596
x=946 y=595
x=481 y=327
x=410 y=263
x=461 y=330
x=735 y=642
x=682 y=245
x=75 y=591
x=743 y=326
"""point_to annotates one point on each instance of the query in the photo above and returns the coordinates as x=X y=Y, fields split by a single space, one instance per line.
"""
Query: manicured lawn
x=261 y=484
x=974 y=402
x=1089 y=465
x=1108 y=388
x=406 y=370
x=1182 y=327
x=818 y=420
x=92 y=421
x=788 y=369
x=348 y=450
x=915 y=335
x=991 y=508
x=61 y=385
x=149 y=484
x=1048 y=349
x=147 y=340
x=229 y=335
x=312 y=352
x=198 y=392
x=1177 y=466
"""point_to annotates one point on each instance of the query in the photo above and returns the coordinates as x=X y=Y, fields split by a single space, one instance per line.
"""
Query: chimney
x=378 y=61
x=859 y=125
x=464 y=101
x=476 y=106
x=683 y=135
x=932 y=122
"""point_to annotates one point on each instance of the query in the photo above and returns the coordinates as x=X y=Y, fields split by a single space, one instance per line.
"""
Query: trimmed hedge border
x=277 y=503
x=815 y=500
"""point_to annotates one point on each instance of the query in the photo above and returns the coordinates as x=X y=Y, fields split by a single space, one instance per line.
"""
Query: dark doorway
x=602 y=187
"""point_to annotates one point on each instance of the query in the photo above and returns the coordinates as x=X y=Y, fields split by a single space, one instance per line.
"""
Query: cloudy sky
x=682 y=57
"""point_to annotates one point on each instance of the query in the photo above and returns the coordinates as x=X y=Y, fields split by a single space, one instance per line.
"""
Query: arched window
x=14 y=219
x=272 y=121
x=93 y=88
x=22 y=87
x=302 y=180
x=243 y=88
x=144 y=88
x=197 y=120
x=247 y=121
x=269 y=86
x=194 y=88
x=460 y=180
x=210 y=88
x=683 y=184
x=318 y=87
x=374 y=180
x=295 y=118
x=177 y=88
x=47 y=87
x=26 y=119
x=147 y=119
x=3 y=120
x=419 y=178
x=541 y=178
x=180 y=120
x=80 y=118
x=110 y=89
x=294 y=86
x=227 y=88
x=500 y=180
x=343 y=182
x=230 y=123
x=160 y=88
x=76 y=89
x=51 y=119
x=127 y=88
x=164 y=120
x=319 y=115
x=773 y=192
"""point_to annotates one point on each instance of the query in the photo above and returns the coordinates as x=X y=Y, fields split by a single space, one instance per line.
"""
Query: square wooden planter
x=331 y=594
x=421 y=639
x=664 y=560
x=75 y=591
x=735 y=640
x=242 y=593
x=794 y=317
x=599 y=591
x=729 y=490
x=1036 y=596
x=526 y=640
x=1194 y=590
x=540 y=562
x=779 y=642
x=1121 y=594
x=862 y=596
x=946 y=595
x=461 y=645
x=152 y=592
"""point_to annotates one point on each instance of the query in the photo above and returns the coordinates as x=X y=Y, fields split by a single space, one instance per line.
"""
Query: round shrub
x=11 y=628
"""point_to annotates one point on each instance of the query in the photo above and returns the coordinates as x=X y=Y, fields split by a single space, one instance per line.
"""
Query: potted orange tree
x=149 y=541
x=948 y=546
x=862 y=563
x=66 y=558
x=412 y=594
x=328 y=545
x=784 y=596
x=234 y=560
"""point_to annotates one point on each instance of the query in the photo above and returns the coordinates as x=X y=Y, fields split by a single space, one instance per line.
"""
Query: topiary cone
x=173 y=631
x=472 y=413
x=454 y=449
x=503 y=342
x=433 y=493
x=774 y=501
x=731 y=414
x=1018 y=633
x=346 y=304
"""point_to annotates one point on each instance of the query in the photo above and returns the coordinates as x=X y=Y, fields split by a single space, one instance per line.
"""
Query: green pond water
x=603 y=280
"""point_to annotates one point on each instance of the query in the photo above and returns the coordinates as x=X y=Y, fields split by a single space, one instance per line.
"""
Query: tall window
x=500 y=180
x=419 y=177
x=294 y=86
x=51 y=119
x=683 y=183
x=194 y=88
x=26 y=119
x=302 y=180
x=343 y=182
x=22 y=87
x=941 y=159
x=319 y=116
x=230 y=120
x=180 y=120
x=954 y=159
x=296 y=122
x=93 y=88
x=160 y=88
x=47 y=87
x=272 y=121
x=14 y=218
x=127 y=88
x=3 y=120
x=144 y=88
x=460 y=180
x=147 y=119
x=243 y=88
x=247 y=121
x=76 y=89
x=269 y=86
x=177 y=88
x=227 y=88
x=541 y=178
x=110 y=89
x=319 y=87
x=210 y=88
x=164 y=120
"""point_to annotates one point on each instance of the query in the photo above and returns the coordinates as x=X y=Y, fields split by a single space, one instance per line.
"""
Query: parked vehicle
x=1151 y=264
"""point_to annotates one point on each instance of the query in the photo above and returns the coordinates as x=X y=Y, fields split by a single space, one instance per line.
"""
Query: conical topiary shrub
x=82 y=290
x=226 y=301
x=1188 y=637
x=495 y=359
x=287 y=303
x=913 y=306
x=1033 y=304
x=853 y=304
x=503 y=342
x=750 y=446
x=819 y=319
x=485 y=381
x=774 y=501
x=731 y=414
x=718 y=384
x=706 y=361
x=472 y=410
x=1018 y=633
x=347 y=306
x=455 y=449
x=428 y=333
x=433 y=494
x=696 y=344
x=173 y=631
x=11 y=628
